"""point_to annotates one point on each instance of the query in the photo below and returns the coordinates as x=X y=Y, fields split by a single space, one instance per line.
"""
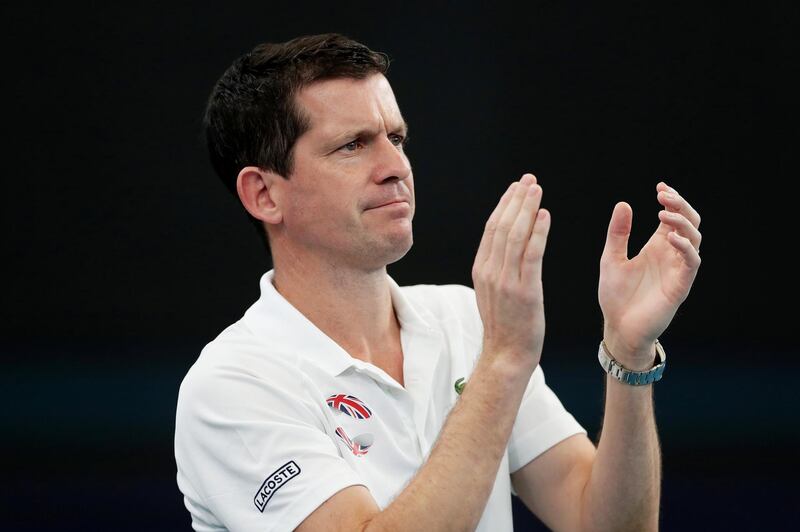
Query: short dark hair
x=251 y=118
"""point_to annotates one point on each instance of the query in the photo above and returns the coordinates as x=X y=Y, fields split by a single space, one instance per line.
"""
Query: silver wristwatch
x=635 y=378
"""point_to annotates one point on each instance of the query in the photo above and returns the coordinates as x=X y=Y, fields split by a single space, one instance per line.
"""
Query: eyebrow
x=367 y=133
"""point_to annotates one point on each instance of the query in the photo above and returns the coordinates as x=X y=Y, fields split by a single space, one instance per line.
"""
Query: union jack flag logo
x=352 y=406
x=359 y=445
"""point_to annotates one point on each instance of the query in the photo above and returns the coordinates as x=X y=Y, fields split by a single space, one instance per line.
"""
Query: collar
x=277 y=323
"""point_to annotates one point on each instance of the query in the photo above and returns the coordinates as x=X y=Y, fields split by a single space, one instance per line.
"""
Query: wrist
x=508 y=369
x=628 y=375
x=636 y=357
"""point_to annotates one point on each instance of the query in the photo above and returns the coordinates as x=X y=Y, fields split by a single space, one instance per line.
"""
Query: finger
x=684 y=227
x=498 y=249
x=684 y=246
x=534 y=252
x=491 y=226
x=520 y=232
x=673 y=201
x=485 y=246
x=528 y=179
x=619 y=230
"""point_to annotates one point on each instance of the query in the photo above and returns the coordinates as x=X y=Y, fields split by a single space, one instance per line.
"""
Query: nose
x=391 y=162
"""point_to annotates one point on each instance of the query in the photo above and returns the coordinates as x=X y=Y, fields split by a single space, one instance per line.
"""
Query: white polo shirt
x=275 y=417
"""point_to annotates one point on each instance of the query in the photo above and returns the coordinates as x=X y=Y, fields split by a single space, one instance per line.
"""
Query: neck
x=352 y=307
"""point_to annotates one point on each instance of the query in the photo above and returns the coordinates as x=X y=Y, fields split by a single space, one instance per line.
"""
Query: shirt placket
x=422 y=349
x=403 y=400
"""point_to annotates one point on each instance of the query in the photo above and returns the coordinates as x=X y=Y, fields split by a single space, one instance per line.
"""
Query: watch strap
x=626 y=376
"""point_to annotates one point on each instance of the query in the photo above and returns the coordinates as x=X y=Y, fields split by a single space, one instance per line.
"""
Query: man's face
x=348 y=167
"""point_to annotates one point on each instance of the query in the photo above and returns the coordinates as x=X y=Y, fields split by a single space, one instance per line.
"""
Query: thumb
x=619 y=229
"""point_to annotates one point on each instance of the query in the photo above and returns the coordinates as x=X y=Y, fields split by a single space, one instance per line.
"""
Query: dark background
x=124 y=255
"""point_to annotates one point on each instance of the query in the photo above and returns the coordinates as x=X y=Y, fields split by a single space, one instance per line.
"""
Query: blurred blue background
x=125 y=255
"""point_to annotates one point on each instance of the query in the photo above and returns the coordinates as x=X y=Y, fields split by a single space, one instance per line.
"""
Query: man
x=338 y=401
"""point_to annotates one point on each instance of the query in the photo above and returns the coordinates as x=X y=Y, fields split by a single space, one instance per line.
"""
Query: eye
x=351 y=146
x=398 y=140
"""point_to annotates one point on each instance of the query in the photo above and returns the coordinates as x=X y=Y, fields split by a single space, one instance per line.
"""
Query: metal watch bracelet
x=626 y=376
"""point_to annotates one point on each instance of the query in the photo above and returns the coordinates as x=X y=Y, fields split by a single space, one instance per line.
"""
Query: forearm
x=451 y=489
x=623 y=490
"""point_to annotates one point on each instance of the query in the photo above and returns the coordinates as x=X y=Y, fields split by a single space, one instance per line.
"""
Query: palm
x=639 y=296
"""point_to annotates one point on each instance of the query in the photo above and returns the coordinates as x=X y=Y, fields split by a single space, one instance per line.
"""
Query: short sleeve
x=542 y=422
x=253 y=453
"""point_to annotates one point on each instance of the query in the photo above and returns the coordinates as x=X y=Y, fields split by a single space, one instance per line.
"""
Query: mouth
x=390 y=203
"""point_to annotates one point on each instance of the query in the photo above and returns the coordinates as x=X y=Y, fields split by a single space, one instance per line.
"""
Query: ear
x=259 y=192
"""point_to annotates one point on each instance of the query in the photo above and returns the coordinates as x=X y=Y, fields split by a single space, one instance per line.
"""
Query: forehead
x=343 y=104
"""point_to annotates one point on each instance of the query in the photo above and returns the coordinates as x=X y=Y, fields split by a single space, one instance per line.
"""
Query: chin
x=389 y=250
x=400 y=252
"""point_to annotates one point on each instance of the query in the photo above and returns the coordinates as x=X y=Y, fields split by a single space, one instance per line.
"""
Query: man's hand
x=507 y=275
x=640 y=296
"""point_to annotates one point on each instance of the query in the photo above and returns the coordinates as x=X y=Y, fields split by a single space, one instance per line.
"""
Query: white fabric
x=255 y=400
